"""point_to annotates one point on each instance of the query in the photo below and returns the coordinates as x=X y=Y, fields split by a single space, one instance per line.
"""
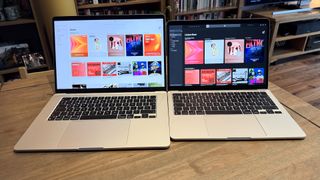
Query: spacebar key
x=223 y=112
x=98 y=117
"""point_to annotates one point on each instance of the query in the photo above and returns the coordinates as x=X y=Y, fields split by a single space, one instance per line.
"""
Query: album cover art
x=140 y=68
x=154 y=67
x=152 y=45
x=154 y=84
x=109 y=69
x=134 y=45
x=78 y=69
x=254 y=52
x=223 y=76
x=240 y=76
x=94 y=69
x=79 y=45
x=191 y=76
x=234 y=51
x=124 y=68
x=208 y=76
x=256 y=76
x=115 y=45
x=193 y=52
x=214 y=51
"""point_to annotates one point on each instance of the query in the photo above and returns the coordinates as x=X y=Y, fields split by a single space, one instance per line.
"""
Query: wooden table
x=22 y=100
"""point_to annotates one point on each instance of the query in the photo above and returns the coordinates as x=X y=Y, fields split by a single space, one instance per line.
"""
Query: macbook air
x=110 y=86
x=218 y=83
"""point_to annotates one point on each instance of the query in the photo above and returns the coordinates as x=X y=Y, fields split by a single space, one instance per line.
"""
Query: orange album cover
x=79 y=45
x=152 y=45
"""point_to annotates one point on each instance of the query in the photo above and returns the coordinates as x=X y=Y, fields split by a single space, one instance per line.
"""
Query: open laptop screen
x=218 y=54
x=113 y=52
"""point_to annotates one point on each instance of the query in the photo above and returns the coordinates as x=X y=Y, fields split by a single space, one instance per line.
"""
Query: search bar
x=222 y=25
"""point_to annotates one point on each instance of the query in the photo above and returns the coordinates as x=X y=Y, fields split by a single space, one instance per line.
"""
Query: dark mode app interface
x=214 y=55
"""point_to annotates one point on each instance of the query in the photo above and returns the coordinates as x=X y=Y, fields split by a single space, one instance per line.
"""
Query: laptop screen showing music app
x=221 y=54
x=109 y=53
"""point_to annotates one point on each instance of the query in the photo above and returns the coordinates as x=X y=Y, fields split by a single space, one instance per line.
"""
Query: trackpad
x=220 y=126
x=95 y=133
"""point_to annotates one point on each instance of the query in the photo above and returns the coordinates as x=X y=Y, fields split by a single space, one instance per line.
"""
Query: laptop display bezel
x=225 y=21
x=110 y=17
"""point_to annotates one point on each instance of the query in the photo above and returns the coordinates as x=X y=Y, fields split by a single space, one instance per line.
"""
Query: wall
x=44 y=10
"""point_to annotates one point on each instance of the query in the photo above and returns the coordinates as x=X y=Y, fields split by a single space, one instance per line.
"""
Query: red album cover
x=191 y=76
x=223 y=76
x=152 y=45
x=78 y=69
x=94 y=68
x=234 y=51
x=208 y=76
x=79 y=45
x=193 y=52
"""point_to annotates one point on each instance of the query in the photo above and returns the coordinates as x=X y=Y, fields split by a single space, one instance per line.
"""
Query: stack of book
x=193 y=5
x=205 y=9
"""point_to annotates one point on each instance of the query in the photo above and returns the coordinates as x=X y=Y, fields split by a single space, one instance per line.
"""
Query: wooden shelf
x=280 y=54
x=226 y=8
x=284 y=38
x=128 y=3
x=22 y=71
x=17 y=22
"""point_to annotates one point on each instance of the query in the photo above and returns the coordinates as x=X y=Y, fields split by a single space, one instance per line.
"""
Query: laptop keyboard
x=224 y=103
x=115 y=107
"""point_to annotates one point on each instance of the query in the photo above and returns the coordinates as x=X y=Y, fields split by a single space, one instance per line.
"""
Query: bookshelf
x=285 y=46
x=24 y=30
x=107 y=7
x=204 y=9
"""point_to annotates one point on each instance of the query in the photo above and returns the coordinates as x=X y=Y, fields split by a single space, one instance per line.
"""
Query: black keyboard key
x=98 y=117
x=148 y=111
x=122 y=116
x=223 y=112
x=130 y=116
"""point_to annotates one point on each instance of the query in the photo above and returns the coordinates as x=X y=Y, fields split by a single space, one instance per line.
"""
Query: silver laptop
x=110 y=86
x=218 y=83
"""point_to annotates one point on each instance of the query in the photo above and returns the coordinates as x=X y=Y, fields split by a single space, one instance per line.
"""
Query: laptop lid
x=218 y=54
x=109 y=53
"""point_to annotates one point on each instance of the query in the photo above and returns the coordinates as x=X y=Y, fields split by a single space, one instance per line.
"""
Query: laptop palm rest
x=243 y=126
x=90 y=133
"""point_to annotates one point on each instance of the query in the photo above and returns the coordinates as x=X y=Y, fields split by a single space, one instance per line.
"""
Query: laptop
x=218 y=83
x=110 y=86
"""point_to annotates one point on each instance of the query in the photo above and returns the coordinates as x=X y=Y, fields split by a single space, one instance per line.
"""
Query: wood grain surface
x=22 y=100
